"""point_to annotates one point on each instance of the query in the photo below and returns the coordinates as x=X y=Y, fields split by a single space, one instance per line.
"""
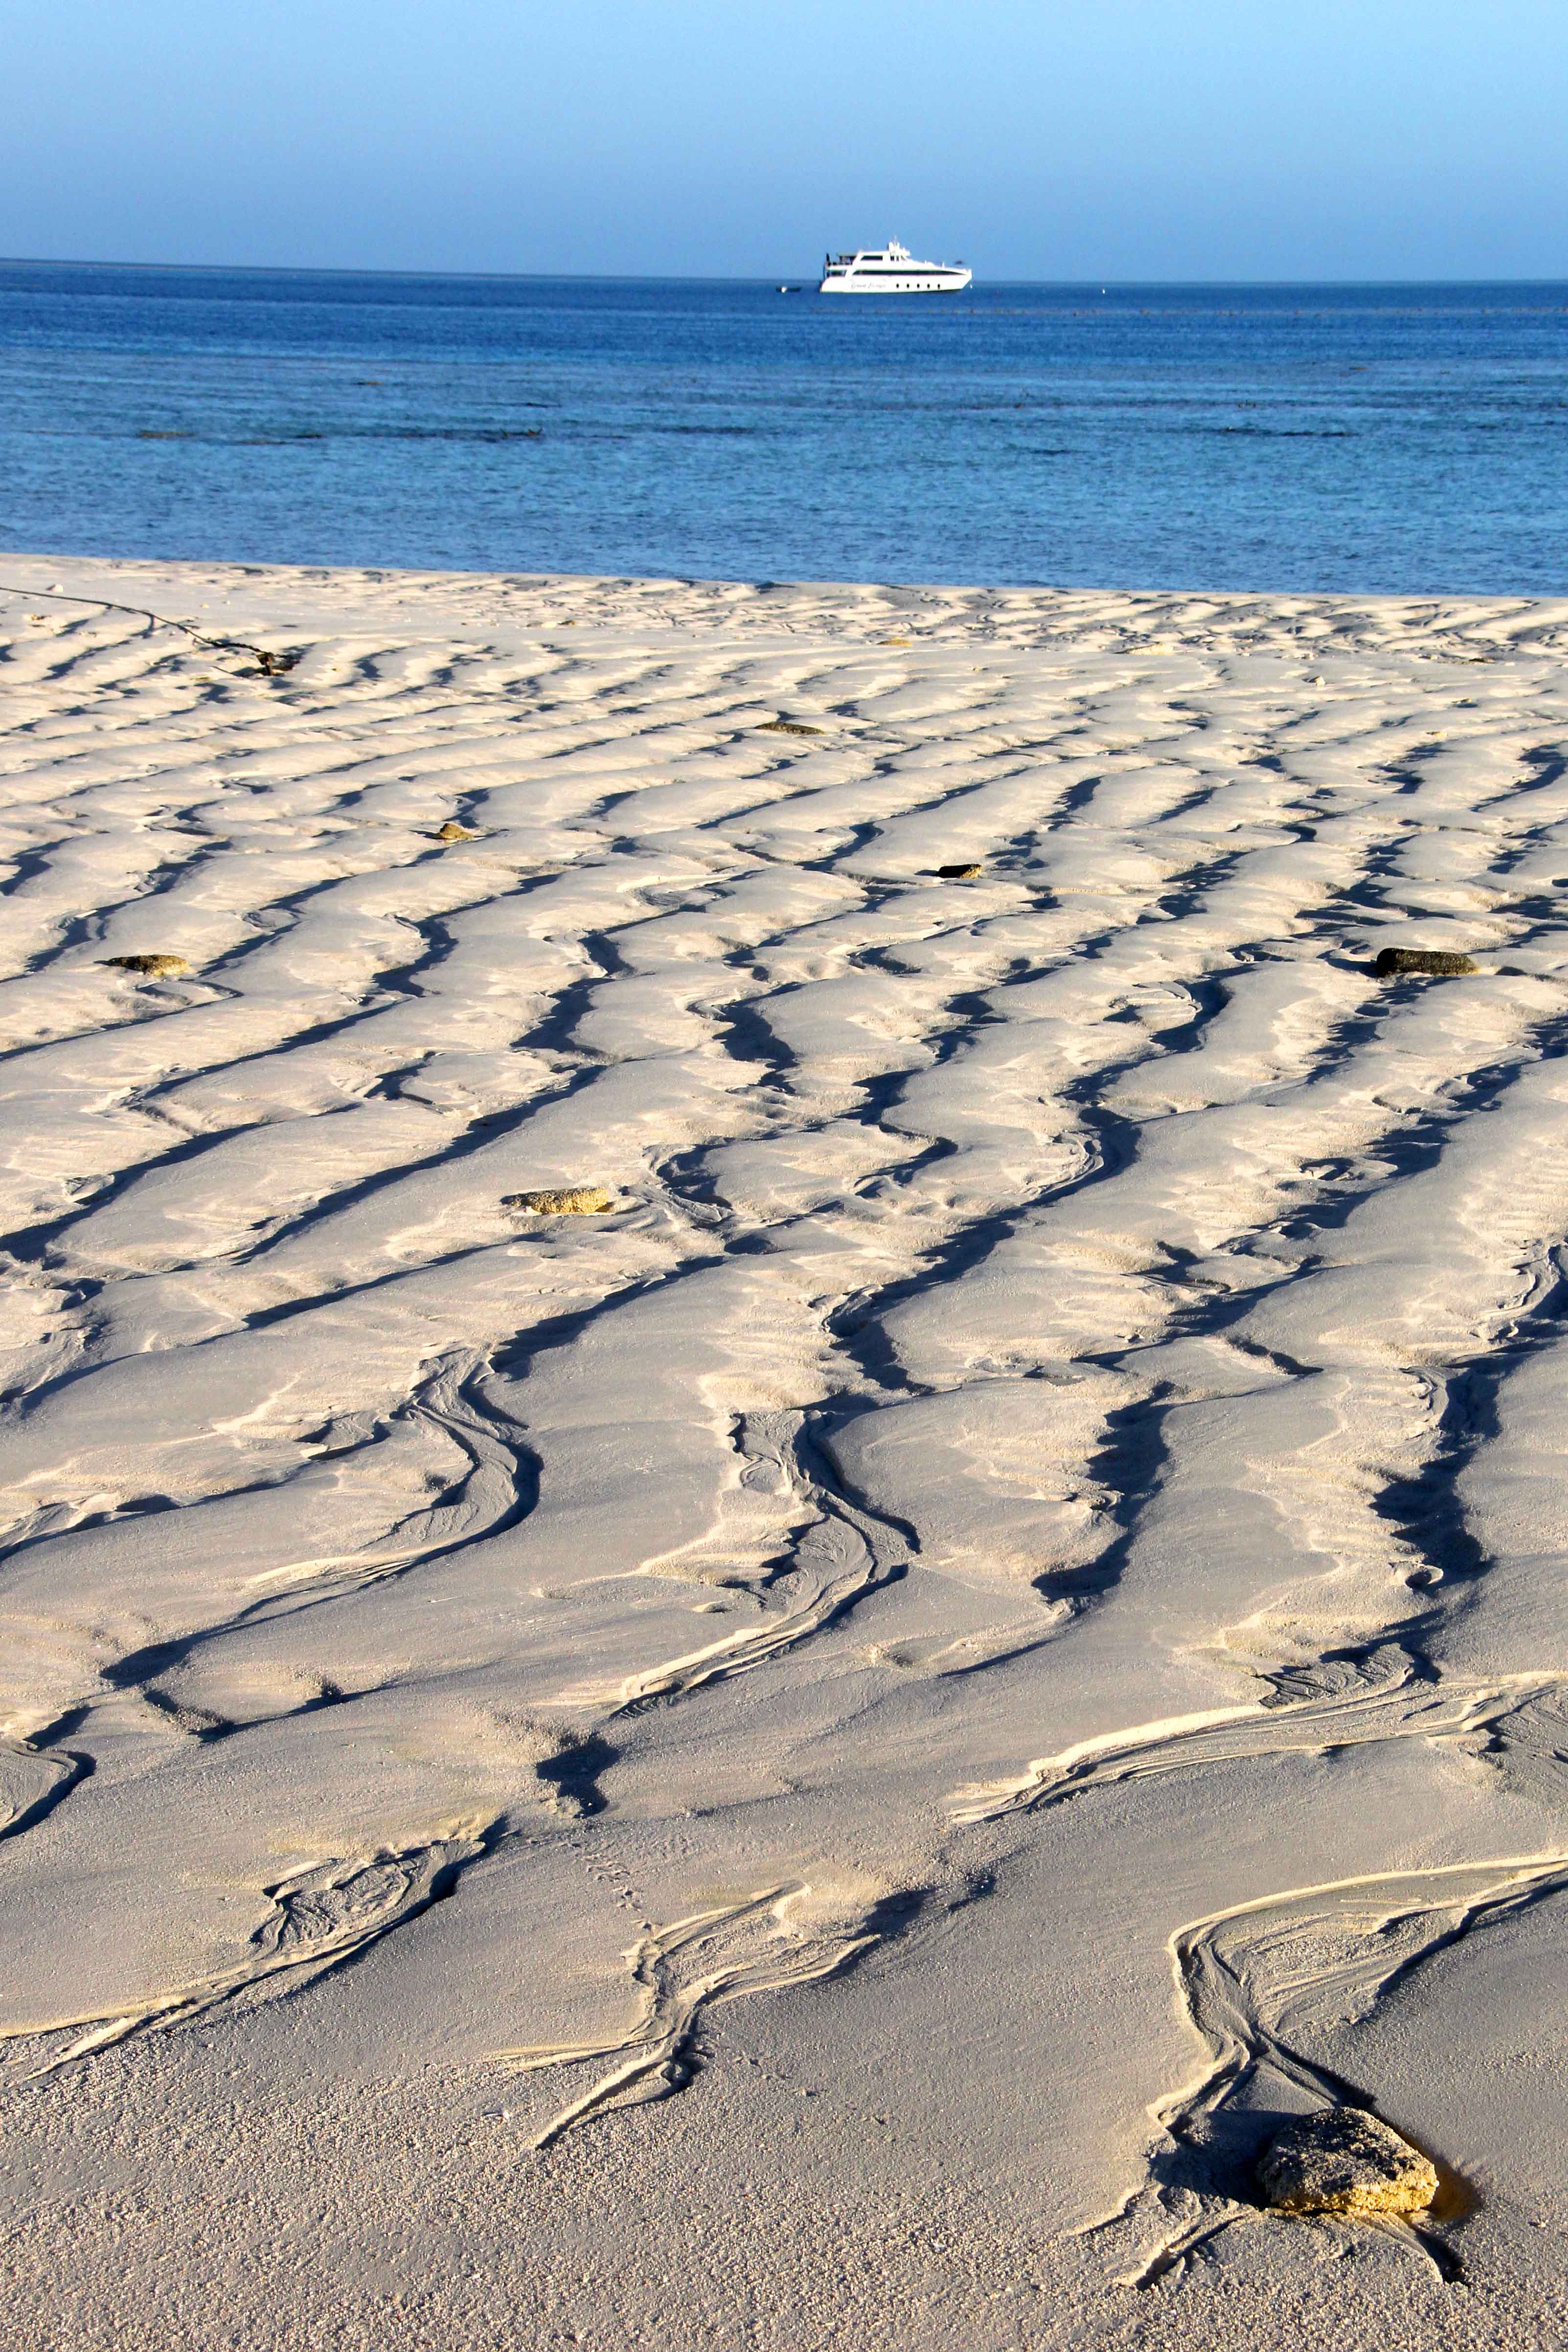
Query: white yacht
x=891 y=271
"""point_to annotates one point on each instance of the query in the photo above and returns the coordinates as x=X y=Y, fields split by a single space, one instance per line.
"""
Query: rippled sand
x=473 y=1673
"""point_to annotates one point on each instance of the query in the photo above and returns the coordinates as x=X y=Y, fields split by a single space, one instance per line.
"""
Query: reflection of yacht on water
x=891 y=271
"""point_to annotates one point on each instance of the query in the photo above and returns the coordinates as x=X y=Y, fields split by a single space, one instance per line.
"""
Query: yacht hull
x=950 y=282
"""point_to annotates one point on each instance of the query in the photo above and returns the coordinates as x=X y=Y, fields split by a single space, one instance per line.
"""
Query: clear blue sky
x=1129 y=139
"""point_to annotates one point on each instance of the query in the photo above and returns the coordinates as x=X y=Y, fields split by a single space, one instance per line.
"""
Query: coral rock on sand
x=961 y=873
x=1345 y=2161
x=1434 y=961
x=156 y=967
x=453 y=831
x=578 y=1201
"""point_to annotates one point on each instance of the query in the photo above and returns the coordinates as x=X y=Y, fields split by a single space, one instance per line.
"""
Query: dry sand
x=538 y=1745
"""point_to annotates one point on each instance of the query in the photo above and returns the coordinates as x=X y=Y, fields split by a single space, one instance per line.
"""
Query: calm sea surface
x=1411 y=437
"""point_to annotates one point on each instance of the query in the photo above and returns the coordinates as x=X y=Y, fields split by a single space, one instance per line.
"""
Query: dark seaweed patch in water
x=466 y=433
x=1274 y=432
x=444 y=432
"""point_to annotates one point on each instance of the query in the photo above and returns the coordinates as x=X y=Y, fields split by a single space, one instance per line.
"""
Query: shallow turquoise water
x=1408 y=438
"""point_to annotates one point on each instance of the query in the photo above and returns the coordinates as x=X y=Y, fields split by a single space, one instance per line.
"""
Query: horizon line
x=682 y=278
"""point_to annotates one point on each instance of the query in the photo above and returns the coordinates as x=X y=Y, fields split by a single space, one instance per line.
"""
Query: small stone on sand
x=1436 y=963
x=453 y=831
x=155 y=967
x=788 y=727
x=961 y=873
x=1345 y=2161
x=577 y=1200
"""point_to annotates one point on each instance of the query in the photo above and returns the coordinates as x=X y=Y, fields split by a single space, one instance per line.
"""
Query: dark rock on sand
x=154 y=967
x=961 y=873
x=1436 y=963
x=1345 y=2161
x=576 y=1200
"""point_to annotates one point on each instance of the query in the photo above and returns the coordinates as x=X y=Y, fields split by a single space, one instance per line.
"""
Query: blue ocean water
x=1408 y=438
